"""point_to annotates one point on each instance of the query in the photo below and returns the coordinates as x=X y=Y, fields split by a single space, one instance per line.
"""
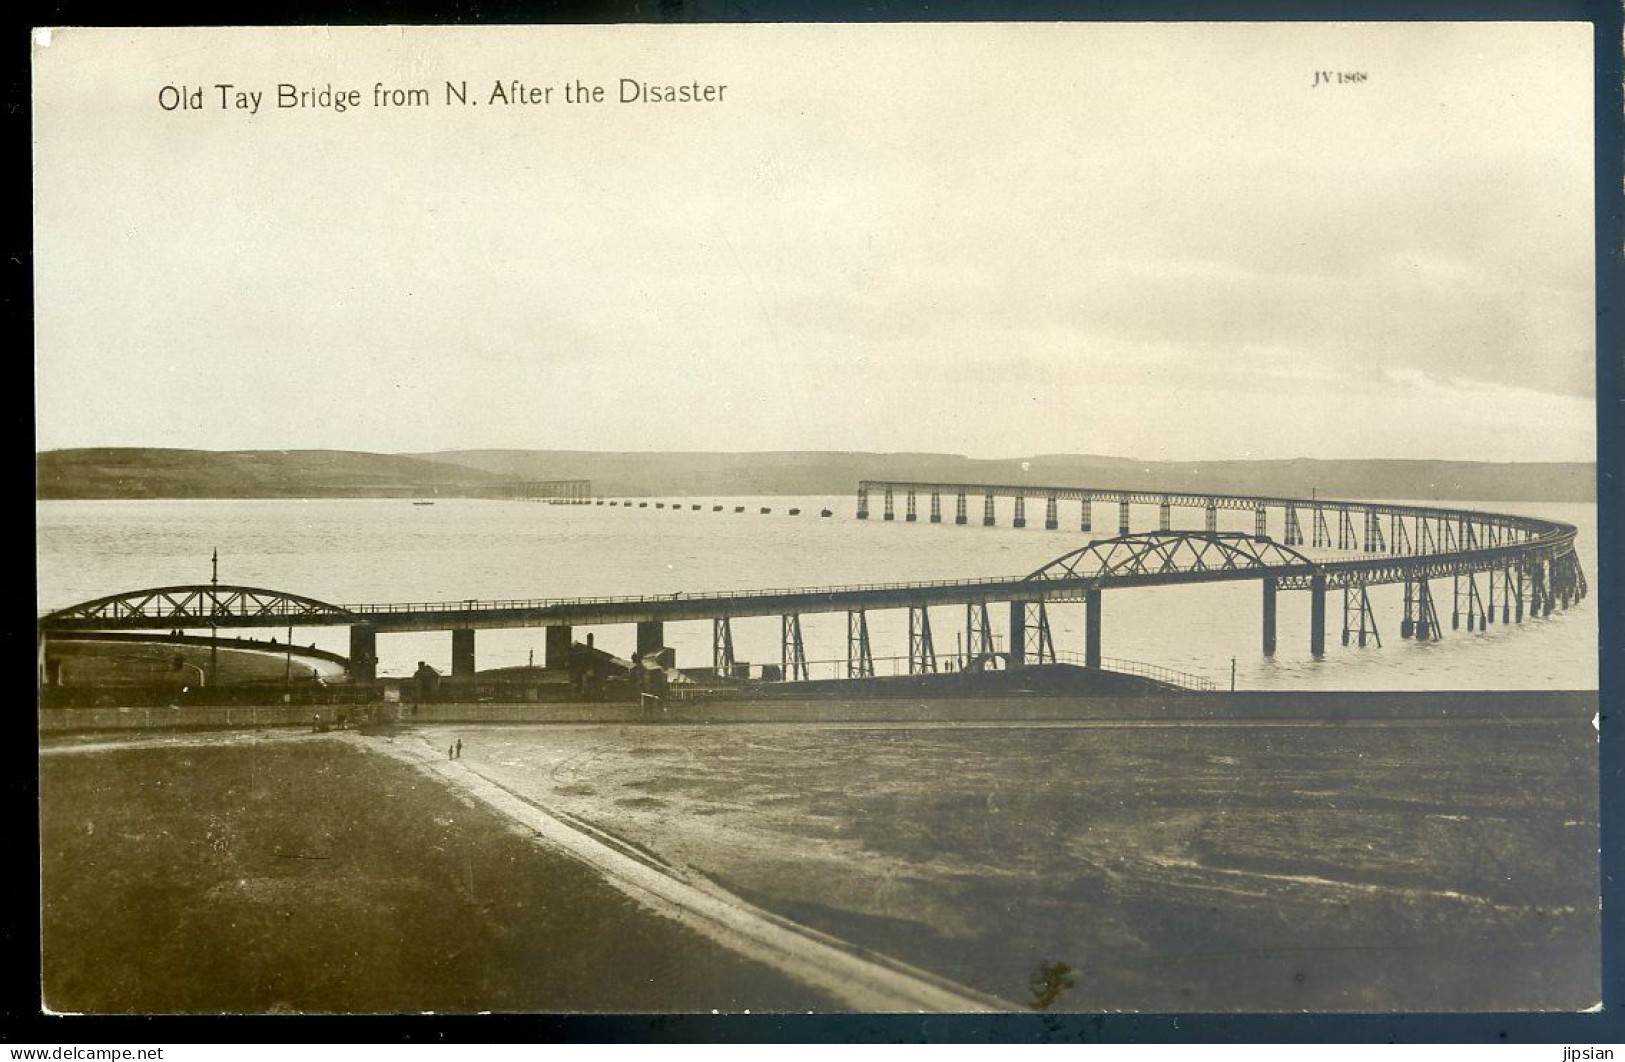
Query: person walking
x=451 y=752
x=459 y=748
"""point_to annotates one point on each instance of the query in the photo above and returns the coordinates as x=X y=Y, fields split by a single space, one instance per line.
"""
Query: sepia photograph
x=966 y=518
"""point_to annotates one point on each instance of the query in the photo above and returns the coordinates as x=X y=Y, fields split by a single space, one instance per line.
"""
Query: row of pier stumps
x=677 y=507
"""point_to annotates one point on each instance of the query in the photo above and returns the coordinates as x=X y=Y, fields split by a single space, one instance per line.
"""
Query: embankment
x=1253 y=706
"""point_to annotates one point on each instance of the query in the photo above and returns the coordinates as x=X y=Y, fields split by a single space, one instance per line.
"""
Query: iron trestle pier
x=1501 y=568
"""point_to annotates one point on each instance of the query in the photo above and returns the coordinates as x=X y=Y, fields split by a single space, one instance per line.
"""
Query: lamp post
x=214 y=604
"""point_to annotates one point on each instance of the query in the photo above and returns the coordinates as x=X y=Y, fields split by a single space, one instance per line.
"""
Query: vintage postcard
x=1068 y=517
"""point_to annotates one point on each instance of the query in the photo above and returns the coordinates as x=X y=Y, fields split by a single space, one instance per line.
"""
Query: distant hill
x=813 y=472
x=155 y=473
x=158 y=473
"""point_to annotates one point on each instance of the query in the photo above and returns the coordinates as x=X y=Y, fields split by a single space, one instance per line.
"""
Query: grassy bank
x=307 y=875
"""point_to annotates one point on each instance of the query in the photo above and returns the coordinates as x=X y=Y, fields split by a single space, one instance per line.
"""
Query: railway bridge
x=1501 y=567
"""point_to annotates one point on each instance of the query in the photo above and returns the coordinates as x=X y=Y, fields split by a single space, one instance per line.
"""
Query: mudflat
x=1366 y=865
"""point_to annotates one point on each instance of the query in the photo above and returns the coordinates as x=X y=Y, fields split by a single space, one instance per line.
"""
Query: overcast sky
x=1151 y=241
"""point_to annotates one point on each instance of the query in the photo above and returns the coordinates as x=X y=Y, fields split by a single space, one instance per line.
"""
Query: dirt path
x=865 y=981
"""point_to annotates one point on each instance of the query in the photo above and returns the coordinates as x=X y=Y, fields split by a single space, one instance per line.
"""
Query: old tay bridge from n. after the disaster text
x=1501 y=568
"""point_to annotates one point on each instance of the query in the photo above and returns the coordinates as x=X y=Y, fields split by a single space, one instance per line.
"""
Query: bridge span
x=1497 y=563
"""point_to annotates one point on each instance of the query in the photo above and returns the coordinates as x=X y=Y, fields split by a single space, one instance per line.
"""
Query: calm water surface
x=363 y=550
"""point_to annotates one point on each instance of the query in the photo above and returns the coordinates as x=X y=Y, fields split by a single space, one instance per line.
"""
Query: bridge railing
x=488 y=605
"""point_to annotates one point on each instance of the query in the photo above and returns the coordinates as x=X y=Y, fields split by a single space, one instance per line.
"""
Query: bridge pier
x=651 y=637
x=1427 y=615
x=959 y=509
x=792 y=653
x=1345 y=531
x=556 y=647
x=978 y=632
x=1373 y=533
x=888 y=514
x=462 y=651
x=1269 y=615
x=909 y=514
x=1359 y=621
x=922 y=655
x=863 y=503
x=1317 y=614
x=1165 y=515
x=1087 y=520
x=1091 y=632
x=1210 y=518
x=1021 y=511
x=363 y=652
x=1030 y=639
x=987 y=511
x=1397 y=535
x=936 y=507
x=860 y=661
x=1122 y=518
x=1052 y=521
x=722 y=647
x=1261 y=522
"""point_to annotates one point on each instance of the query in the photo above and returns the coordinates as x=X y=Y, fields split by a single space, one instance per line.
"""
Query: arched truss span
x=193 y=606
x=1158 y=553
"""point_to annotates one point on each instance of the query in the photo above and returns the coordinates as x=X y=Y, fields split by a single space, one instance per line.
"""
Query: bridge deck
x=1136 y=560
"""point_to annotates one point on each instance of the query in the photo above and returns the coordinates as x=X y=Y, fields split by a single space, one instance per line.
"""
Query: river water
x=349 y=551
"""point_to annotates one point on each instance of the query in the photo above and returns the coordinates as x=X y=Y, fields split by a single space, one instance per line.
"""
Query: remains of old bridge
x=561 y=491
x=1496 y=563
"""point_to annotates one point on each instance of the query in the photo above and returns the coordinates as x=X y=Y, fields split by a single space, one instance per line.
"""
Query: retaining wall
x=1278 y=706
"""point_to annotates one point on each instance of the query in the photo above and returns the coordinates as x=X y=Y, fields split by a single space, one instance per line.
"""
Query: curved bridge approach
x=1500 y=566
